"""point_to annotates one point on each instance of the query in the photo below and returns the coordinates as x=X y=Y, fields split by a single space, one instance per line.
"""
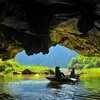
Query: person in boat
x=72 y=74
x=58 y=73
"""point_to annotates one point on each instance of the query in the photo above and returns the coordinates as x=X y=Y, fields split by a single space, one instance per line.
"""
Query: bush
x=8 y=70
x=89 y=66
x=79 y=66
x=97 y=64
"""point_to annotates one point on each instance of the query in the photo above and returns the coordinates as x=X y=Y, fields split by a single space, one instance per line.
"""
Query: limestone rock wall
x=36 y=25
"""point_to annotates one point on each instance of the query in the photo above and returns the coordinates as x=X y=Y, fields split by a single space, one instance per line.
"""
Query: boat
x=63 y=79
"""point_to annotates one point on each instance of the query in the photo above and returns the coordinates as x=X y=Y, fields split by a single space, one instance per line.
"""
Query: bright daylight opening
x=57 y=56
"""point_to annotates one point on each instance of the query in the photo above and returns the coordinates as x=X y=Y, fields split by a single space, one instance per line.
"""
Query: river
x=19 y=87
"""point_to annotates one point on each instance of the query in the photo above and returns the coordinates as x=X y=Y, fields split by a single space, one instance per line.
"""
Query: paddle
x=72 y=79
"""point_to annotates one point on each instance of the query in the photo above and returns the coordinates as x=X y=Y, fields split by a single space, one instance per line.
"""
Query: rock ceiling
x=36 y=25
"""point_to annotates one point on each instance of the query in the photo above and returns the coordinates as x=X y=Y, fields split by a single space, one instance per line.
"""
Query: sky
x=57 y=56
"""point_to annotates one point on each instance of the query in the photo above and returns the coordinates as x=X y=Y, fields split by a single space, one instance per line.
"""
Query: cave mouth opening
x=57 y=56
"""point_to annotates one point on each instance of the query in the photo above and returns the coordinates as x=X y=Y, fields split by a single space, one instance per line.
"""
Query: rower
x=58 y=73
x=72 y=74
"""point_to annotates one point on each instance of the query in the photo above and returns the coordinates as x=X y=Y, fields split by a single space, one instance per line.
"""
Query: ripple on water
x=39 y=90
x=66 y=92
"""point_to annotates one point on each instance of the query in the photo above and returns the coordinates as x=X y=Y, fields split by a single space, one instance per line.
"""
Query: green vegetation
x=11 y=66
x=89 y=64
x=83 y=62
x=92 y=71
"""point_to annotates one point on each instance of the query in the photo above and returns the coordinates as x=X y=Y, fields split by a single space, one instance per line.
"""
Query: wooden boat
x=63 y=79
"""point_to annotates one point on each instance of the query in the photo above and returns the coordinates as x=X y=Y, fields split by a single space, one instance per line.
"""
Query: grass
x=33 y=68
x=13 y=65
x=85 y=71
x=92 y=71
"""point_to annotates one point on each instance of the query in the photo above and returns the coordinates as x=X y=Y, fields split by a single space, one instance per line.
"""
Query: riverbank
x=85 y=71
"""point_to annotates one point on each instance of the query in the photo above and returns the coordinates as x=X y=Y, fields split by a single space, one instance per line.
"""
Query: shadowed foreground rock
x=27 y=71
x=4 y=96
x=36 y=25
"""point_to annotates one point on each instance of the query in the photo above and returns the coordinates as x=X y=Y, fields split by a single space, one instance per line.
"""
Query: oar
x=72 y=79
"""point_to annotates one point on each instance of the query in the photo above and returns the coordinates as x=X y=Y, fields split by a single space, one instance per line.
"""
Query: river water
x=18 y=87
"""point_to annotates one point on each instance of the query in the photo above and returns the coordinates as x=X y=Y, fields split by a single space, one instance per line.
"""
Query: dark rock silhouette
x=36 y=25
x=27 y=71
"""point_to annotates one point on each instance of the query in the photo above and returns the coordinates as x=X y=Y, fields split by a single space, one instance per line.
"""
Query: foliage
x=91 y=65
x=33 y=68
x=13 y=66
x=92 y=71
x=97 y=64
x=73 y=62
x=9 y=65
x=8 y=70
x=79 y=66
x=81 y=62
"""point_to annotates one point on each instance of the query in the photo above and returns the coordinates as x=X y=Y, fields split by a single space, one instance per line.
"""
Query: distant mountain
x=57 y=56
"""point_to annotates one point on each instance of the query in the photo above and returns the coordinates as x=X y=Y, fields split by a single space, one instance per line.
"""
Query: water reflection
x=39 y=88
x=89 y=86
x=58 y=85
x=54 y=85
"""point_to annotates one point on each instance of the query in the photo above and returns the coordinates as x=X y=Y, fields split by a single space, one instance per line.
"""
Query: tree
x=73 y=62
x=97 y=64
x=89 y=66
x=79 y=66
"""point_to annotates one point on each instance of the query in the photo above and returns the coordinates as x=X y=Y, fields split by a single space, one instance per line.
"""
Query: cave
x=36 y=25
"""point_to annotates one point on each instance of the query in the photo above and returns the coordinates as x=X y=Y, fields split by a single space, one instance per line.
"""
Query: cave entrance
x=57 y=56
